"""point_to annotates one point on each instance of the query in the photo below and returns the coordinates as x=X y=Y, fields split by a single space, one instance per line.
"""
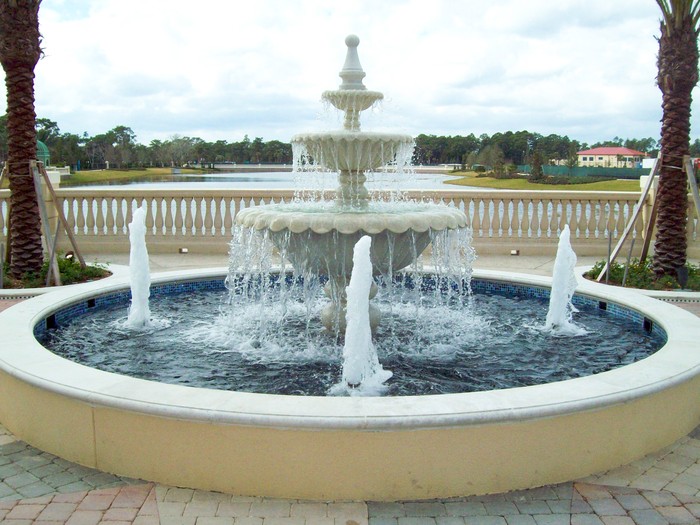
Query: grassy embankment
x=470 y=178
x=97 y=176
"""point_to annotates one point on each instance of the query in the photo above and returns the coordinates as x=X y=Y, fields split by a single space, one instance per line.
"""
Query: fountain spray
x=560 y=315
x=139 y=311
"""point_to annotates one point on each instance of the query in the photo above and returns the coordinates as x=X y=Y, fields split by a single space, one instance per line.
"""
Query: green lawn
x=470 y=179
x=95 y=176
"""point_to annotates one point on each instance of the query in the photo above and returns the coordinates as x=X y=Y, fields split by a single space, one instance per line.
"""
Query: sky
x=222 y=69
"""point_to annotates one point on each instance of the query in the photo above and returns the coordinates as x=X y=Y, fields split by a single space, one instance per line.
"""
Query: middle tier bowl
x=355 y=151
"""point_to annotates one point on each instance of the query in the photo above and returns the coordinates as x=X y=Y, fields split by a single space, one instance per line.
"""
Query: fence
x=202 y=221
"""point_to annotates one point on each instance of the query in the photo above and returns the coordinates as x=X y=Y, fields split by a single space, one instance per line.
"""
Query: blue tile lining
x=64 y=315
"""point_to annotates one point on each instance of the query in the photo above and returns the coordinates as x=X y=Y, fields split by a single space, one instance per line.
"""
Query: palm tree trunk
x=20 y=50
x=677 y=76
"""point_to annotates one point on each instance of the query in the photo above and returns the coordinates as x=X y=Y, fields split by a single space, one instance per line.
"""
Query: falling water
x=362 y=373
x=139 y=311
x=560 y=315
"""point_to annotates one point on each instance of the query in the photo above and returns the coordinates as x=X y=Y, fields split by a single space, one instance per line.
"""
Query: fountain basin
x=348 y=448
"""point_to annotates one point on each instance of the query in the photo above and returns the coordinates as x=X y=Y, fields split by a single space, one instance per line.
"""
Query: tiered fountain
x=319 y=240
x=348 y=448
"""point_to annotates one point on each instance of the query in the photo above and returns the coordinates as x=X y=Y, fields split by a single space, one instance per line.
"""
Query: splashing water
x=560 y=315
x=139 y=312
x=362 y=373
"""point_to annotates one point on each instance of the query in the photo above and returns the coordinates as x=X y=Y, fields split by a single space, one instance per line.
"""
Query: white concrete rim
x=25 y=359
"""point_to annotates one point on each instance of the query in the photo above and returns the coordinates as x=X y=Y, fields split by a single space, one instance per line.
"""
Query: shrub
x=640 y=275
x=69 y=268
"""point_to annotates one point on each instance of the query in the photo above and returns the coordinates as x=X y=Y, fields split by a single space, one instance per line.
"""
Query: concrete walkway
x=37 y=487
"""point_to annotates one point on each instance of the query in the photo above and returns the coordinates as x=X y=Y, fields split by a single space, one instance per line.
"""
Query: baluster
x=535 y=219
x=179 y=217
x=189 y=220
x=486 y=220
x=496 y=217
x=169 y=222
x=158 y=215
x=524 y=226
x=208 y=217
x=69 y=210
x=475 y=211
x=505 y=217
x=80 y=223
x=545 y=217
x=218 y=216
x=515 y=218
x=110 y=203
x=574 y=220
x=99 y=215
x=229 y=212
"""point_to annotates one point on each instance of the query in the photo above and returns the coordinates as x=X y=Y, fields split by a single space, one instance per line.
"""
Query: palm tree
x=677 y=76
x=20 y=50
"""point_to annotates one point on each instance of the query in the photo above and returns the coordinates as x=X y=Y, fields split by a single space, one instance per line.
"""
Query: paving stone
x=694 y=509
x=586 y=519
x=380 y=520
x=589 y=491
x=533 y=507
x=282 y=520
x=648 y=517
x=449 y=520
x=607 y=507
x=208 y=520
x=57 y=511
x=501 y=508
x=271 y=509
x=559 y=506
x=76 y=486
x=201 y=508
x=171 y=508
x=423 y=520
x=9 y=470
x=520 y=519
x=633 y=501
x=386 y=510
x=427 y=509
x=61 y=478
x=20 y=480
x=309 y=510
x=178 y=495
x=233 y=509
x=553 y=519
x=485 y=520
x=6 y=491
x=617 y=520
x=350 y=511
x=465 y=508
x=204 y=495
x=26 y=512
x=677 y=515
x=249 y=521
x=180 y=520
x=36 y=489
x=661 y=499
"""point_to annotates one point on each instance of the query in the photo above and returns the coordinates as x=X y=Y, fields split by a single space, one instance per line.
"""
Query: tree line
x=119 y=148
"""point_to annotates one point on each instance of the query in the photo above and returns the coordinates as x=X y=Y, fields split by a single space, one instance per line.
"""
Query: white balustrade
x=204 y=219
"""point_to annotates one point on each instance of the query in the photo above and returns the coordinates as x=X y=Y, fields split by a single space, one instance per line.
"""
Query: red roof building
x=611 y=157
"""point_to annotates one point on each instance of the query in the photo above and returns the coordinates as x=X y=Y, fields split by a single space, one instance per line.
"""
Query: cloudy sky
x=220 y=69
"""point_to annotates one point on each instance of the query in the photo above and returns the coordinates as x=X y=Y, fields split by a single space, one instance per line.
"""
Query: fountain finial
x=352 y=73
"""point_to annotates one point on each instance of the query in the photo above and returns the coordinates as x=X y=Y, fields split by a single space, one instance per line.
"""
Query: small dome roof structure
x=42 y=153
